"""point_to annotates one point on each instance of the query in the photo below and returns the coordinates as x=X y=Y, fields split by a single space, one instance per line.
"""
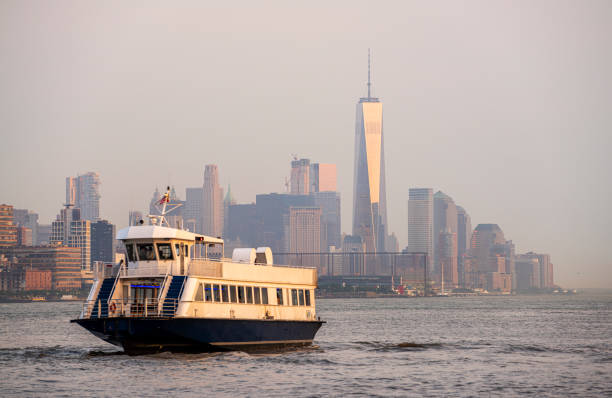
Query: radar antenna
x=164 y=210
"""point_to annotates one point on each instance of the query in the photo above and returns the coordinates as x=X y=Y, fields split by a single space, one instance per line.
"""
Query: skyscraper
x=322 y=177
x=102 y=241
x=8 y=230
x=70 y=230
x=369 y=195
x=445 y=222
x=192 y=213
x=464 y=235
x=300 y=177
x=420 y=221
x=212 y=214
x=83 y=192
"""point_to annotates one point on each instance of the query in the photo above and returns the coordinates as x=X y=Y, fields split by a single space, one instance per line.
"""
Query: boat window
x=217 y=293
x=200 y=293
x=307 y=292
x=186 y=250
x=233 y=294
x=301 y=292
x=279 y=296
x=177 y=250
x=131 y=254
x=264 y=295
x=241 y=294
x=249 y=294
x=256 y=295
x=294 y=299
x=146 y=252
x=224 y=295
x=207 y=293
x=164 y=251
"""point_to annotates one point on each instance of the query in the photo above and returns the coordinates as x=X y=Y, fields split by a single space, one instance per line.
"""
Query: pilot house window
x=164 y=251
x=131 y=254
x=146 y=252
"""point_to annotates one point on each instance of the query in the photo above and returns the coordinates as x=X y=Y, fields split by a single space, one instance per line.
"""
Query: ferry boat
x=177 y=292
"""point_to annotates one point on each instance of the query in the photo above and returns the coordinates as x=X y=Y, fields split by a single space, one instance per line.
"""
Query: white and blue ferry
x=177 y=292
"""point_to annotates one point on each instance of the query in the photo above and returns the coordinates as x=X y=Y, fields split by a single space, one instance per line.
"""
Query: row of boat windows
x=147 y=251
x=250 y=295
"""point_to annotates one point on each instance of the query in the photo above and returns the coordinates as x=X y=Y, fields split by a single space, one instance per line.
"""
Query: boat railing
x=131 y=308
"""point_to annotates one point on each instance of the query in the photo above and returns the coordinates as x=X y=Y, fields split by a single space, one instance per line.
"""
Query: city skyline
x=512 y=126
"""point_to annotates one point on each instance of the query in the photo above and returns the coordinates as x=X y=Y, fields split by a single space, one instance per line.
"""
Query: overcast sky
x=503 y=105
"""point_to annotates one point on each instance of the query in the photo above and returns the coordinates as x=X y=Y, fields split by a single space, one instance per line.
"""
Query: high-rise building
x=227 y=202
x=43 y=236
x=271 y=210
x=212 y=215
x=192 y=213
x=446 y=254
x=464 y=235
x=70 y=230
x=369 y=192
x=83 y=192
x=444 y=222
x=489 y=261
x=8 y=229
x=329 y=203
x=300 y=177
x=242 y=224
x=323 y=177
x=102 y=241
x=527 y=272
x=303 y=234
x=28 y=219
x=420 y=221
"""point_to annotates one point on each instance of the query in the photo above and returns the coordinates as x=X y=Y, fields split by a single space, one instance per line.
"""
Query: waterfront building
x=527 y=272
x=70 y=230
x=444 y=222
x=64 y=264
x=488 y=253
x=300 y=177
x=464 y=235
x=83 y=192
x=420 y=221
x=369 y=191
x=354 y=259
x=8 y=229
x=446 y=254
x=102 y=241
x=212 y=201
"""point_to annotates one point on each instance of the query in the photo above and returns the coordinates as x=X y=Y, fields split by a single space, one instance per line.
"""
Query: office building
x=300 y=176
x=329 y=203
x=102 y=241
x=28 y=219
x=192 y=213
x=83 y=192
x=212 y=214
x=70 y=230
x=369 y=192
x=464 y=235
x=420 y=221
x=64 y=264
x=444 y=223
x=8 y=229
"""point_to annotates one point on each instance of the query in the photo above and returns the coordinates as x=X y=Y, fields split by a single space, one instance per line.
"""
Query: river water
x=469 y=346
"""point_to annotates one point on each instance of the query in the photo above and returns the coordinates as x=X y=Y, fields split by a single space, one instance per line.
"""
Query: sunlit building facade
x=369 y=193
x=420 y=221
x=83 y=192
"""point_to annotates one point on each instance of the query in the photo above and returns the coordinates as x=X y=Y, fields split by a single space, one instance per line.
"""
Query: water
x=471 y=346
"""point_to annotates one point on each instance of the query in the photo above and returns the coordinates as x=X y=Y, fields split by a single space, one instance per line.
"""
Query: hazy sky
x=503 y=105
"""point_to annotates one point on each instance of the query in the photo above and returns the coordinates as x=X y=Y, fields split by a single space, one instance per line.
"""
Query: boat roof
x=159 y=232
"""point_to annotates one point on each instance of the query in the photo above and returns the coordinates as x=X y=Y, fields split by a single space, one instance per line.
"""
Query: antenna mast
x=369 y=82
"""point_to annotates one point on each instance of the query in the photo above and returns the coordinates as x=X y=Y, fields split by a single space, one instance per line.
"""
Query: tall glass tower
x=369 y=193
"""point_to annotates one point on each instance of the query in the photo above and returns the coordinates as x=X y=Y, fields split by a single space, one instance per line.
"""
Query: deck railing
x=131 y=308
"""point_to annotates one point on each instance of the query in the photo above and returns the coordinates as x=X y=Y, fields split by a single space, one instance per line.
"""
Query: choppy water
x=476 y=346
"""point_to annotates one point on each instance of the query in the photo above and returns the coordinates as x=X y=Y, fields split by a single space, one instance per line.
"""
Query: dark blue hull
x=138 y=335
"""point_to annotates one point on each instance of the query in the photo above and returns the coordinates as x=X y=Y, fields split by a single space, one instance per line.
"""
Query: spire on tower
x=369 y=81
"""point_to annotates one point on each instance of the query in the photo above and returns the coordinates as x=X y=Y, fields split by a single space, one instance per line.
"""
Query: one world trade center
x=369 y=193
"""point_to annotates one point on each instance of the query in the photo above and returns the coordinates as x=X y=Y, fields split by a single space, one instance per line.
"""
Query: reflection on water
x=524 y=345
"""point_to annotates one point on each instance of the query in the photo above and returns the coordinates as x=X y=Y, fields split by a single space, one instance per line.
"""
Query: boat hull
x=145 y=335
